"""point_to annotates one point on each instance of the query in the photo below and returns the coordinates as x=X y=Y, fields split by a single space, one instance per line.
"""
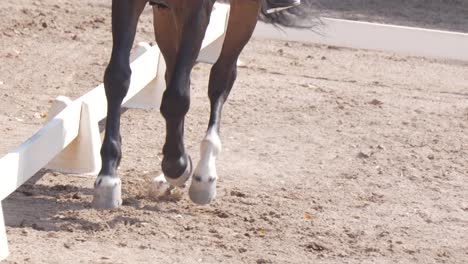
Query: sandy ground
x=330 y=155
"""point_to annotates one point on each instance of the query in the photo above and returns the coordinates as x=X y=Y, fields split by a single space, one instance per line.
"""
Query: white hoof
x=202 y=191
x=107 y=192
x=182 y=179
x=158 y=187
x=203 y=187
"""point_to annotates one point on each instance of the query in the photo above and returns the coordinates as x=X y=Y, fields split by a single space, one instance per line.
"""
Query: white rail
x=70 y=141
x=363 y=35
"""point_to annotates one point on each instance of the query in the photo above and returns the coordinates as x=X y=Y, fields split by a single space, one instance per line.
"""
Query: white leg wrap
x=203 y=187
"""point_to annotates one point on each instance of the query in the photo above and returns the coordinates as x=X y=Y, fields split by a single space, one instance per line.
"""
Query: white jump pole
x=82 y=155
x=373 y=36
x=3 y=236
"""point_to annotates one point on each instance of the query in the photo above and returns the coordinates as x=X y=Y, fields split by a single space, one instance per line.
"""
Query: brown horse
x=179 y=27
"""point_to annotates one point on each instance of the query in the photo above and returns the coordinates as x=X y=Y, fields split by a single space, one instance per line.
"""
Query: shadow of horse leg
x=242 y=21
x=125 y=14
x=191 y=22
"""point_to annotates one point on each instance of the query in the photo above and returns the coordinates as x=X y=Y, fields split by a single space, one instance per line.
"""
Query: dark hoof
x=179 y=179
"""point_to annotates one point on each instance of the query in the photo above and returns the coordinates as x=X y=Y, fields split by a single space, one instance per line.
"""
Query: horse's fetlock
x=111 y=149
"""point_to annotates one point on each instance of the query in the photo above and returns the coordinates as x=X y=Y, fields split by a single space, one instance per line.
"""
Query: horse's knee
x=175 y=103
x=117 y=81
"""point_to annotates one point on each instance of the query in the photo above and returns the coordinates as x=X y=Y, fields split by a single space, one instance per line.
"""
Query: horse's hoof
x=202 y=191
x=182 y=179
x=158 y=187
x=107 y=192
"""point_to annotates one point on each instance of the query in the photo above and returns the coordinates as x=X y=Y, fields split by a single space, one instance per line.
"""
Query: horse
x=179 y=27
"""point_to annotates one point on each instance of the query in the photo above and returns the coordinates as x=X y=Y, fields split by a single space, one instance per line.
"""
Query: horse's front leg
x=125 y=14
x=242 y=21
x=191 y=21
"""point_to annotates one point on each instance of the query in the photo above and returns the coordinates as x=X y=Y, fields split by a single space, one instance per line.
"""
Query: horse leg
x=242 y=21
x=167 y=38
x=125 y=14
x=190 y=23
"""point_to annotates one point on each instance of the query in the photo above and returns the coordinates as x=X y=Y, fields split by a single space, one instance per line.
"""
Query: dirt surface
x=330 y=155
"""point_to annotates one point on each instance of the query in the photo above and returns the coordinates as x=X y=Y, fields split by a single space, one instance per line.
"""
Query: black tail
x=304 y=15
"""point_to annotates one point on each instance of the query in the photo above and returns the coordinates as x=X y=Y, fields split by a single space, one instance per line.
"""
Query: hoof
x=160 y=190
x=202 y=191
x=158 y=187
x=182 y=179
x=107 y=193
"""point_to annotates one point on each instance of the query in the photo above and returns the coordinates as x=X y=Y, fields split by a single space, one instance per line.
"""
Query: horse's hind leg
x=189 y=24
x=125 y=14
x=242 y=21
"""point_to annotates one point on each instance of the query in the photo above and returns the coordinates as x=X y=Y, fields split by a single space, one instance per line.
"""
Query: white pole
x=3 y=236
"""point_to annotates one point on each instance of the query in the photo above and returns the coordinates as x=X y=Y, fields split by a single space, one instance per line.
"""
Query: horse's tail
x=304 y=15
